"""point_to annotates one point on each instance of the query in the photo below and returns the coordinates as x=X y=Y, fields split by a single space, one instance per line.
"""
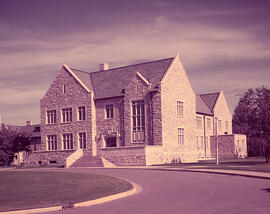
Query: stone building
x=140 y=114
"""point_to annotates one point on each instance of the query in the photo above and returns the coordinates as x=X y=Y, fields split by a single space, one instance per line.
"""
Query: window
x=180 y=134
x=82 y=140
x=199 y=122
x=66 y=115
x=207 y=142
x=64 y=89
x=180 y=108
x=51 y=116
x=81 y=113
x=67 y=141
x=227 y=126
x=202 y=146
x=219 y=124
x=208 y=122
x=138 y=121
x=109 y=111
x=51 y=142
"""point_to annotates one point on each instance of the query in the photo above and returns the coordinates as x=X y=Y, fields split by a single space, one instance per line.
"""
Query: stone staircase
x=88 y=160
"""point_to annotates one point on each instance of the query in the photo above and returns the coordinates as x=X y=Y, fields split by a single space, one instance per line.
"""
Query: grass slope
x=35 y=189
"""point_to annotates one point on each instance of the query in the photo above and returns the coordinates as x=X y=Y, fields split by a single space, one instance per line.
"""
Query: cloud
x=29 y=63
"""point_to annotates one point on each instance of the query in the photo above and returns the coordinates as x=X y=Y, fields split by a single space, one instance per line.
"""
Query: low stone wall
x=225 y=146
x=56 y=158
x=125 y=156
x=229 y=146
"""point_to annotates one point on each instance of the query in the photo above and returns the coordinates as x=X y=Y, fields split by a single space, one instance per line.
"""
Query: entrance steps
x=88 y=160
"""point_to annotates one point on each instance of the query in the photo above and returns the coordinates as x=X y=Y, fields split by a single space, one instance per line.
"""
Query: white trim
x=143 y=78
x=71 y=72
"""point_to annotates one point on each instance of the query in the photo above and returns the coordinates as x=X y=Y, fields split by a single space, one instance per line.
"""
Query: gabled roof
x=201 y=107
x=210 y=100
x=84 y=77
x=110 y=83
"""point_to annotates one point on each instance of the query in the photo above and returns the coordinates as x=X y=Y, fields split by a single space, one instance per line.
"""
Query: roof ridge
x=131 y=65
x=209 y=93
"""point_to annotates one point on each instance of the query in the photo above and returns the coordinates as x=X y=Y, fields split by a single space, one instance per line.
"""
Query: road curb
x=136 y=189
x=224 y=172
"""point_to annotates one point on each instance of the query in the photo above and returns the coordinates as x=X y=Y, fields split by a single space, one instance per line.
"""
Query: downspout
x=204 y=137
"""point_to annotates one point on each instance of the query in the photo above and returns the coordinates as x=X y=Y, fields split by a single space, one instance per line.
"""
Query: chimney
x=28 y=122
x=104 y=66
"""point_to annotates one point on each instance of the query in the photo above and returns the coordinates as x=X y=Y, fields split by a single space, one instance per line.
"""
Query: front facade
x=140 y=114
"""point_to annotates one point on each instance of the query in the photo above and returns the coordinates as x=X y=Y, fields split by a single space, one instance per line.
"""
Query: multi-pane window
x=51 y=116
x=138 y=121
x=180 y=108
x=51 y=142
x=82 y=140
x=208 y=122
x=227 y=126
x=67 y=141
x=81 y=113
x=201 y=142
x=109 y=111
x=219 y=124
x=180 y=135
x=66 y=115
x=207 y=142
x=198 y=143
x=199 y=122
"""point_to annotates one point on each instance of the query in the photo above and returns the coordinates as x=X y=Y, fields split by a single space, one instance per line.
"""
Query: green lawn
x=23 y=189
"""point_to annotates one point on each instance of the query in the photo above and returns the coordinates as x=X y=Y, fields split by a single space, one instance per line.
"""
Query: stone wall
x=44 y=158
x=175 y=86
x=125 y=156
x=56 y=99
x=154 y=154
x=226 y=146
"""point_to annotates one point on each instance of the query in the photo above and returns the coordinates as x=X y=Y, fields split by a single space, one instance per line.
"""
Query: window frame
x=51 y=116
x=179 y=108
x=181 y=136
x=82 y=140
x=67 y=141
x=138 y=121
x=51 y=142
x=109 y=111
x=81 y=113
x=66 y=115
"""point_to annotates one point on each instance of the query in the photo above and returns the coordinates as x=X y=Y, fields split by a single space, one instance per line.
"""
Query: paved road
x=176 y=192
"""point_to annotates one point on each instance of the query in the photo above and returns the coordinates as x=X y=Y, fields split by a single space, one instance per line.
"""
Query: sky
x=223 y=44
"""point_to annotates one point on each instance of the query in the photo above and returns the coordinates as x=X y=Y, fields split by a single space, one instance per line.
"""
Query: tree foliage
x=252 y=117
x=12 y=142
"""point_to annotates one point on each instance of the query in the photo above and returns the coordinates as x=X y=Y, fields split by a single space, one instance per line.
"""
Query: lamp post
x=216 y=140
x=261 y=133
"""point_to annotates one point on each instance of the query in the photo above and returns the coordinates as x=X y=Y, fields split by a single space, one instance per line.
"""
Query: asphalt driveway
x=166 y=192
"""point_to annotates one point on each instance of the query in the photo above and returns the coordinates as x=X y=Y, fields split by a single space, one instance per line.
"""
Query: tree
x=12 y=142
x=252 y=117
